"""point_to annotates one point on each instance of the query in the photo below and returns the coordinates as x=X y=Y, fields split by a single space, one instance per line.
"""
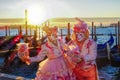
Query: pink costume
x=55 y=66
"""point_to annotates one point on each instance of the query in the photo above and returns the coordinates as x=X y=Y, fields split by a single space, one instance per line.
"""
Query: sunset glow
x=40 y=10
x=36 y=15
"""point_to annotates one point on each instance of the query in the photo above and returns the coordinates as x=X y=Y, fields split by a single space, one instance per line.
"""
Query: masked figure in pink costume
x=55 y=66
x=83 y=52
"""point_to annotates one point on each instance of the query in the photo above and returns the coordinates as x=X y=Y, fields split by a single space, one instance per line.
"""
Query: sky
x=45 y=9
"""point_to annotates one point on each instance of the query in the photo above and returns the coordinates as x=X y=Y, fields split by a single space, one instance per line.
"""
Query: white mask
x=80 y=36
x=52 y=37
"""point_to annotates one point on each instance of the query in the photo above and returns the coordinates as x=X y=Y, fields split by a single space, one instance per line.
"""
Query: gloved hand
x=23 y=53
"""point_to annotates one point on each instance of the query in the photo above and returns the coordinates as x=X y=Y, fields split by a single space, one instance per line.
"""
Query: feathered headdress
x=50 y=30
x=81 y=26
x=47 y=30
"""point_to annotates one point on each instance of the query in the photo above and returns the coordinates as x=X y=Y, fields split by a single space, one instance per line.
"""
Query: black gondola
x=102 y=47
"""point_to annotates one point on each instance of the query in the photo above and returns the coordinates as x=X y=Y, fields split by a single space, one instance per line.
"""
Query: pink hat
x=81 y=26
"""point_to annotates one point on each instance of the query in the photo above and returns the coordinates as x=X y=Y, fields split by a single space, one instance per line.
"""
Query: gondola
x=114 y=49
x=102 y=56
x=11 y=56
x=5 y=42
x=12 y=42
x=115 y=56
x=115 y=60
x=102 y=47
x=2 y=40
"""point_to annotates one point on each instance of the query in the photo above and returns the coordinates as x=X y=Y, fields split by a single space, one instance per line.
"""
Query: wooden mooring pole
x=119 y=36
x=92 y=29
x=30 y=32
x=6 y=29
x=39 y=33
x=9 y=31
x=61 y=33
x=68 y=30
x=95 y=36
x=20 y=30
x=116 y=36
x=26 y=22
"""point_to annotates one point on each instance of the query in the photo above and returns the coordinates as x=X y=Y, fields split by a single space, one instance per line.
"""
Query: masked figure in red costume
x=83 y=52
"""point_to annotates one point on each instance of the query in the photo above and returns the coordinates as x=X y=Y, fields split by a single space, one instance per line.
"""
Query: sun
x=36 y=15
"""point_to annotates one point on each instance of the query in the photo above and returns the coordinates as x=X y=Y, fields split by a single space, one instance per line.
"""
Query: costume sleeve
x=40 y=56
x=63 y=45
x=92 y=52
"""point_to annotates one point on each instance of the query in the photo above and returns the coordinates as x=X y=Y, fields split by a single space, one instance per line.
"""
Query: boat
x=5 y=41
x=115 y=56
x=104 y=52
x=109 y=57
x=13 y=42
x=114 y=49
x=115 y=59
x=102 y=47
x=2 y=40
x=11 y=56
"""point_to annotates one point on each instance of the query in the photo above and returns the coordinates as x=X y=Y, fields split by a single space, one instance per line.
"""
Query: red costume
x=84 y=53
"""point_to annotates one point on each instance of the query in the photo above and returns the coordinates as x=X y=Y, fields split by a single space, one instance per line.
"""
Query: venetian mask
x=80 y=36
x=52 y=37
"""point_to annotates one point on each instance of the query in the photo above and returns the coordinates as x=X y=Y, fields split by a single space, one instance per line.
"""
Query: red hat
x=81 y=26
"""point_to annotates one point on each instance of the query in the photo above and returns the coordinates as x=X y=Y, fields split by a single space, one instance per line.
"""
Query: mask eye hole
x=80 y=34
